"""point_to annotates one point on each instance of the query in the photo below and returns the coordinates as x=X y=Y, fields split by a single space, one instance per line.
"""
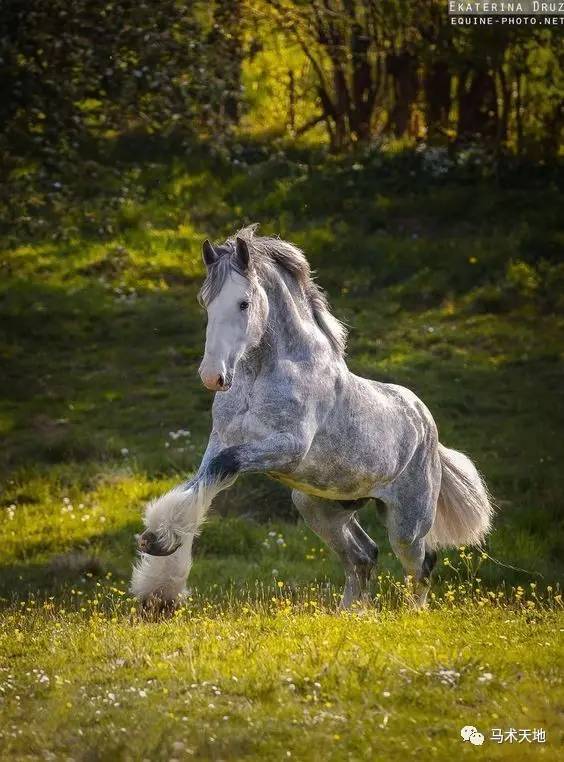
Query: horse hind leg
x=417 y=560
x=424 y=581
x=410 y=512
x=338 y=528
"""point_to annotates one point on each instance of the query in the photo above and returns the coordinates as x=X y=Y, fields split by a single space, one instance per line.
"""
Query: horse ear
x=209 y=254
x=243 y=254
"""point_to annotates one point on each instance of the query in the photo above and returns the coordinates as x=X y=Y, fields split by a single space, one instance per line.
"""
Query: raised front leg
x=166 y=557
x=174 y=519
x=337 y=526
x=180 y=512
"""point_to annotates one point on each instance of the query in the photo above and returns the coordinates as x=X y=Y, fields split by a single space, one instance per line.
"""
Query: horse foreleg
x=173 y=520
x=179 y=513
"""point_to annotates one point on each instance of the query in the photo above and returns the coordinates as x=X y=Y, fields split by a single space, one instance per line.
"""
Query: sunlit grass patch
x=262 y=676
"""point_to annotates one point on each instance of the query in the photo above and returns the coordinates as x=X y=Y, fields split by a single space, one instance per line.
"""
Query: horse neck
x=292 y=329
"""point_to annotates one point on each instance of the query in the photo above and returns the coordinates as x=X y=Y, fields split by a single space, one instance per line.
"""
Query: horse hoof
x=154 y=607
x=149 y=543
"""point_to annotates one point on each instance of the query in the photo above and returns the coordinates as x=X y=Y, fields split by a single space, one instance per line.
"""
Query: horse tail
x=464 y=508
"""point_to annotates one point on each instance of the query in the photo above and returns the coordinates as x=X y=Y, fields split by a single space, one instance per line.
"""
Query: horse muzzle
x=216 y=381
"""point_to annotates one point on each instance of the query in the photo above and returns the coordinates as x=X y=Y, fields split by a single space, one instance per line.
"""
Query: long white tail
x=464 y=509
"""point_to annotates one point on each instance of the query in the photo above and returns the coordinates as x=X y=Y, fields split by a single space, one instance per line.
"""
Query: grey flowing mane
x=272 y=251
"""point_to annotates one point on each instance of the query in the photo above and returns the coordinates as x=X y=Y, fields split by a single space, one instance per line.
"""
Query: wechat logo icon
x=470 y=733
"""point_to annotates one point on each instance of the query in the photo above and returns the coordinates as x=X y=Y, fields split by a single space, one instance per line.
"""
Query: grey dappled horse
x=287 y=405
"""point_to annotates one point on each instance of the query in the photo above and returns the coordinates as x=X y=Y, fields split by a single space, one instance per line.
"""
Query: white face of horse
x=229 y=332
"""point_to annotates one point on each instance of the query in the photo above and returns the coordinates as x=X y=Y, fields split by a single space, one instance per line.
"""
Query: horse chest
x=241 y=426
x=243 y=415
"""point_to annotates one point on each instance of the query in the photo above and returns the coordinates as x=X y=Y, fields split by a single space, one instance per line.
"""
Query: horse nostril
x=220 y=380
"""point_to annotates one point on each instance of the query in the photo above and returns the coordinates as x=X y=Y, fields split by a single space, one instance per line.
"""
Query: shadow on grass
x=85 y=375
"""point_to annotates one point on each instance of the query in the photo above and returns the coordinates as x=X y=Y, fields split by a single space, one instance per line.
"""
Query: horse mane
x=266 y=251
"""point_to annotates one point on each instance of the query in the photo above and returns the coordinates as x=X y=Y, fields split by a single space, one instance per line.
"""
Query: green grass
x=450 y=287
x=275 y=680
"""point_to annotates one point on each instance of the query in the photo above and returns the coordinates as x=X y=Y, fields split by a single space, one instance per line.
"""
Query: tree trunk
x=477 y=107
x=505 y=106
x=402 y=67
x=518 y=114
x=227 y=43
x=362 y=86
x=436 y=84
x=291 y=102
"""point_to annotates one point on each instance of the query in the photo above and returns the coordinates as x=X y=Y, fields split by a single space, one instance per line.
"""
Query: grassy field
x=276 y=679
x=452 y=285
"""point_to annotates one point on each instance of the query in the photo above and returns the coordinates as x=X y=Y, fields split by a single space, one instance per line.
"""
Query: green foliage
x=75 y=75
x=230 y=537
x=378 y=69
x=348 y=73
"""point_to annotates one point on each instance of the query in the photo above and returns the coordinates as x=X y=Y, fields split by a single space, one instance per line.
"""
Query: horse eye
x=244 y=305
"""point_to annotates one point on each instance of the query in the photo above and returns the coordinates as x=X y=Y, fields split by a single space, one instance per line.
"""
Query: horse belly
x=311 y=486
x=333 y=474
